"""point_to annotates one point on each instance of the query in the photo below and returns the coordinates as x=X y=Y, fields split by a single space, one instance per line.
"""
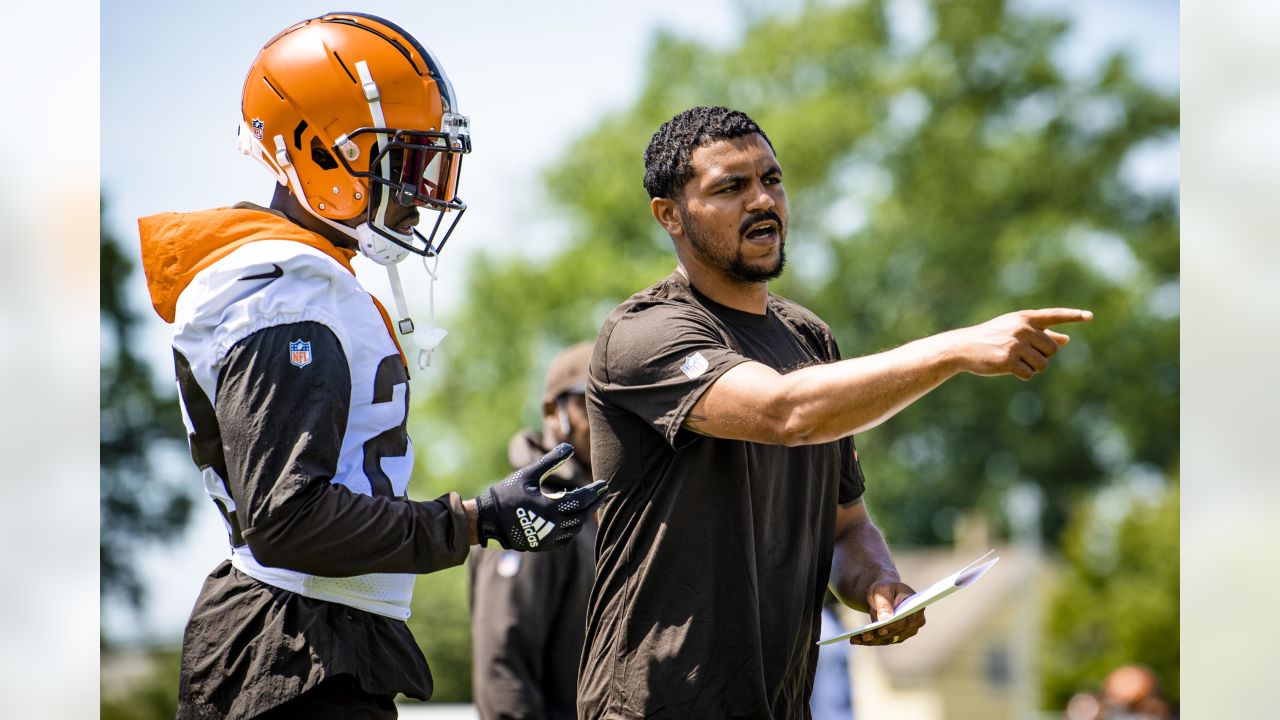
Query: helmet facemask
x=410 y=168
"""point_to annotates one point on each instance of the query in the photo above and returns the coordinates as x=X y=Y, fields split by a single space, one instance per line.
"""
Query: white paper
x=965 y=577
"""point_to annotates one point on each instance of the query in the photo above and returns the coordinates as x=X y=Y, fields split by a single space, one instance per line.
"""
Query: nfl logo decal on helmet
x=300 y=352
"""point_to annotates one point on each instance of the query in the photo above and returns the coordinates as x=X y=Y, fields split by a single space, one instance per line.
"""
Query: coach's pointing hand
x=517 y=514
x=1018 y=343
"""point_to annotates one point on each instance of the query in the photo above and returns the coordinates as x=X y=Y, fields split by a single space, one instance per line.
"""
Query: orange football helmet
x=352 y=113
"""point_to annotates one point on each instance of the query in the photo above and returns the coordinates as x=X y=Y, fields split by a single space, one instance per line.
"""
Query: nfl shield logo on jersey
x=300 y=352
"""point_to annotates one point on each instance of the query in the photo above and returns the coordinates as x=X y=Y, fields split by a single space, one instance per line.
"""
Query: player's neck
x=750 y=297
x=284 y=201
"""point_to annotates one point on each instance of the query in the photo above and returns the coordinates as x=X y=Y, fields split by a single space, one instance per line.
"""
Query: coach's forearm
x=821 y=403
x=860 y=559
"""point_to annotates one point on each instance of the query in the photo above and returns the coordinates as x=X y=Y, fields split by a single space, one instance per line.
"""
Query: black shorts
x=339 y=698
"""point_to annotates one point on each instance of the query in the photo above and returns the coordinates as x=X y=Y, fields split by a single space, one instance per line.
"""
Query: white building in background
x=975 y=659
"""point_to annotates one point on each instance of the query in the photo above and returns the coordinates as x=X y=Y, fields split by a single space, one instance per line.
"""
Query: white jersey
x=278 y=282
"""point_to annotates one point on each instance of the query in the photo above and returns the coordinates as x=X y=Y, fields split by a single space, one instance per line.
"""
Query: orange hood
x=177 y=246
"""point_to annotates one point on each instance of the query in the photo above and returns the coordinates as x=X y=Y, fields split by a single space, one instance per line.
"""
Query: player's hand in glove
x=517 y=514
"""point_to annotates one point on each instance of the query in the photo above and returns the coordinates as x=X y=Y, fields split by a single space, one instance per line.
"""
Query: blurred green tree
x=152 y=696
x=938 y=175
x=441 y=623
x=1117 y=603
x=140 y=502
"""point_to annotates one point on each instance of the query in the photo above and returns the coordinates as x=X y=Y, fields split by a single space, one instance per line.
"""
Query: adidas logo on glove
x=506 y=511
x=536 y=529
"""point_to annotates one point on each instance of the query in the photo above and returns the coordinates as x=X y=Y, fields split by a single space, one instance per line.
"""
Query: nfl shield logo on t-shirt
x=694 y=365
x=300 y=352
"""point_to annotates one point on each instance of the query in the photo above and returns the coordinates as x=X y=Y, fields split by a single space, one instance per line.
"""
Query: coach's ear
x=667 y=212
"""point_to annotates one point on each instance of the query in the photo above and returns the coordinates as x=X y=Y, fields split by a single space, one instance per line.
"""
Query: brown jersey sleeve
x=282 y=428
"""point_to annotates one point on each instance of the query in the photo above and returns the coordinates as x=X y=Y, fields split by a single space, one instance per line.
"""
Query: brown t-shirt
x=713 y=555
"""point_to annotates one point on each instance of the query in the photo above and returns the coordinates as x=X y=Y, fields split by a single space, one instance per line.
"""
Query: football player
x=295 y=389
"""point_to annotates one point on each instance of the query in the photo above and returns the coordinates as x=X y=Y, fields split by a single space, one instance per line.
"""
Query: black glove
x=517 y=514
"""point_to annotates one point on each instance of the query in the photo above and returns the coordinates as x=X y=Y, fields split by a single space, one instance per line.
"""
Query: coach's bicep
x=747 y=402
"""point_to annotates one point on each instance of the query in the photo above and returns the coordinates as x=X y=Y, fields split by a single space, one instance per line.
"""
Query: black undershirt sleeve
x=282 y=428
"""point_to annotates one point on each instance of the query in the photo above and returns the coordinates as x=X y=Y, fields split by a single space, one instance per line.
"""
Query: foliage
x=441 y=623
x=155 y=697
x=139 y=502
x=1118 y=602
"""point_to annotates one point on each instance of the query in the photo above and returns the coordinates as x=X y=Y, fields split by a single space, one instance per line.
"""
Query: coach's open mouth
x=762 y=233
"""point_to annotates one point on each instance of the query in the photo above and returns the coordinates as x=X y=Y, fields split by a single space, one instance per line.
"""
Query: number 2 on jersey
x=394 y=442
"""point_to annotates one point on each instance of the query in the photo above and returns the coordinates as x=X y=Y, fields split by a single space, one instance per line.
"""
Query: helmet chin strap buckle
x=427 y=339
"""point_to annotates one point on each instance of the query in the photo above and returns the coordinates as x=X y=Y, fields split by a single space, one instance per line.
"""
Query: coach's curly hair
x=666 y=160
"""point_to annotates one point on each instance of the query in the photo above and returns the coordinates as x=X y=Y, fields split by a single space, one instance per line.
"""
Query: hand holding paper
x=881 y=600
x=919 y=601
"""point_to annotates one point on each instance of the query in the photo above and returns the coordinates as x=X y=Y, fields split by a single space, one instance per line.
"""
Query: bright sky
x=531 y=76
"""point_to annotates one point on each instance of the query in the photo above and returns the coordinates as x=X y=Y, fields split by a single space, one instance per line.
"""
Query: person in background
x=1132 y=692
x=1129 y=692
x=528 y=611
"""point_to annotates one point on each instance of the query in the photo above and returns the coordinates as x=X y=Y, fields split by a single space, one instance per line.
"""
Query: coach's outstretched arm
x=821 y=403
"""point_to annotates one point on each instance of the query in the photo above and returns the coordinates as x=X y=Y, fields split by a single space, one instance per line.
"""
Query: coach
x=722 y=418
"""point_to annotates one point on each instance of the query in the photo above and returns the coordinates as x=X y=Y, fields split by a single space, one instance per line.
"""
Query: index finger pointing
x=1045 y=317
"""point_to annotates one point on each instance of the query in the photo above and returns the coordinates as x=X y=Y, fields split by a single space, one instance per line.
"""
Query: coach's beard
x=734 y=263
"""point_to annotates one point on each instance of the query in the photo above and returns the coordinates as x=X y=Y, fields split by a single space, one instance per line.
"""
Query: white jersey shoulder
x=278 y=282
x=260 y=285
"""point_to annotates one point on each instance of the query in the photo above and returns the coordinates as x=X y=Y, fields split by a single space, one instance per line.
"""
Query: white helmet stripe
x=374 y=98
